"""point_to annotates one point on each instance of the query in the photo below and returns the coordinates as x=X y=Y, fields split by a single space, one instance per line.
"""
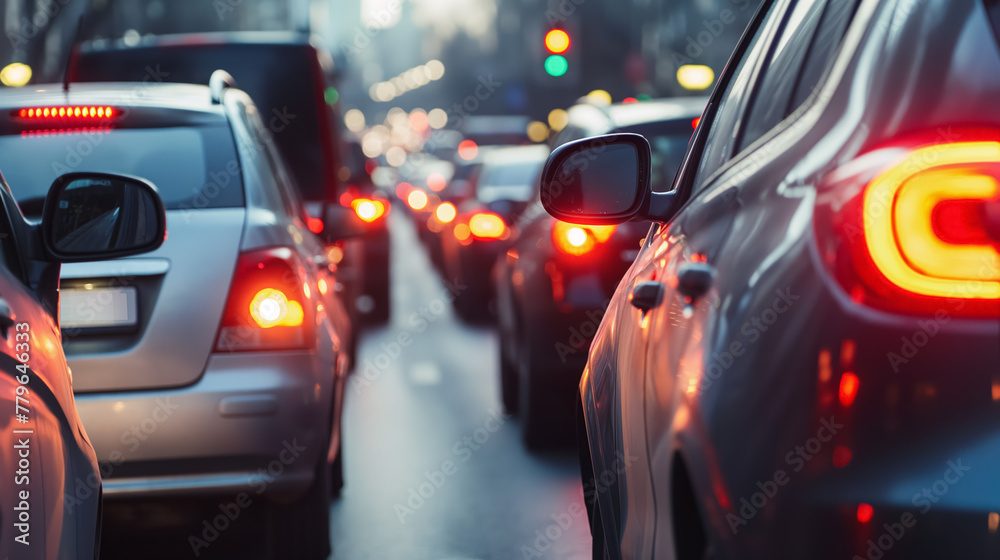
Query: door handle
x=694 y=280
x=6 y=318
x=646 y=296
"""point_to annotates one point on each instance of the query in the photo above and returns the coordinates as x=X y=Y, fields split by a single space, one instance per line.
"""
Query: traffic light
x=557 y=46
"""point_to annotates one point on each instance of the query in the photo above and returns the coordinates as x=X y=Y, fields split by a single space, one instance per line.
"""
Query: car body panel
x=738 y=386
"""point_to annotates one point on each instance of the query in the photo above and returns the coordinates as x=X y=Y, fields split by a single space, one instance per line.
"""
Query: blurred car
x=372 y=206
x=556 y=278
x=457 y=190
x=803 y=361
x=289 y=79
x=481 y=229
x=198 y=365
x=54 y=490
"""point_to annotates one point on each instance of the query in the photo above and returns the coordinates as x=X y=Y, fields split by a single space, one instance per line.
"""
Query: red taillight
x=578 y=240
x=916 y=228
x=269 y=307
x=848 y=388
x=694 y=123
x=485 y=225
x=368 y=210
x=315 y=225
x=417 y=199
x=865 y=513
x=67 y=113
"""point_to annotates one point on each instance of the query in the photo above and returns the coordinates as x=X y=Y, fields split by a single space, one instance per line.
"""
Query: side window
x=832 y=28
x=721 y=140
x=772 y=101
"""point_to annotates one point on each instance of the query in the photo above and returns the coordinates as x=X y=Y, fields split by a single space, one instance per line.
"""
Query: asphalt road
x=434 y=470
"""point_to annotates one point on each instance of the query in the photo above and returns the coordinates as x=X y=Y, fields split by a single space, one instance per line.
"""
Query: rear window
x=279 y=79
x=508 y=182
x=669 y=143
x=192 y=167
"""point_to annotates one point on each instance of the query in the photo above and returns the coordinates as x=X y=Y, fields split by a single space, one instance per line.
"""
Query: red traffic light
x=557 y=41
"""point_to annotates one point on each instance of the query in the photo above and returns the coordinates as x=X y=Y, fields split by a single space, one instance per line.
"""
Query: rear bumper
x=255 y=421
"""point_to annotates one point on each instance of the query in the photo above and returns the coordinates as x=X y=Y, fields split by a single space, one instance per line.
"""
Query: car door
x=619 y=378
x=47 y=443
x=688 y=347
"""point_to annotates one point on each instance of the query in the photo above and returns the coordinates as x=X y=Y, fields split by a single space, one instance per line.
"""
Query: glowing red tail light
x=65 y=114
x=486 y=225
x=269 y=306
x=918 y=228
x=579 y=240
x=367 y=209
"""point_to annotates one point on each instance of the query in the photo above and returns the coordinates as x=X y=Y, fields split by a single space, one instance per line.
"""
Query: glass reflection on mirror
x=602 y=180
x=93 y=216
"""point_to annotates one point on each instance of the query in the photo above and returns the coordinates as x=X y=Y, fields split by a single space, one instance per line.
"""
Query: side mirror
x=340 y=222
x=598 y=181
x=96 y=216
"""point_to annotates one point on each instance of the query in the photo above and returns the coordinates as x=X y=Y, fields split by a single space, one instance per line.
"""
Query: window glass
x=832 y=28
x=725 y=124
x=669 y=142
x=192 y=167
x=771 y=103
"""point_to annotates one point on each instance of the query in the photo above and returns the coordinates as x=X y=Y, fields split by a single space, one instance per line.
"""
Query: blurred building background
x=492 y=51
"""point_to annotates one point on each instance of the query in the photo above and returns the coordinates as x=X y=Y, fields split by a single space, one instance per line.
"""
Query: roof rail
x=219 y=81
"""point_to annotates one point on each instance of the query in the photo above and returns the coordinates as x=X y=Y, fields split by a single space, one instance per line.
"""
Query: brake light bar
x=485 y=225
x=913 y=228
x=67 y=113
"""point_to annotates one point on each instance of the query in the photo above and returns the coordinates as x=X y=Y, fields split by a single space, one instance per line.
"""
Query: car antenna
x=73 y=55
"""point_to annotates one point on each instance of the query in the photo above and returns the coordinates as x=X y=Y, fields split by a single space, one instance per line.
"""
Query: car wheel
x=508 y=378
x=301 y=530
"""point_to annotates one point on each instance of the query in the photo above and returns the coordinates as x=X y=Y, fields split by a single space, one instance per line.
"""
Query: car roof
x=227 y=38
x=181 y=97
x=516 y=155
x=589 y=116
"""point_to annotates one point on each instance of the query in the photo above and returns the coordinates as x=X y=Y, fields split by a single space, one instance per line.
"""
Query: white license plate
x=96 y=308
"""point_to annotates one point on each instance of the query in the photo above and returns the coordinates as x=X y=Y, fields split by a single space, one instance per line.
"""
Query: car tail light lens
x=445 y=212
x=485 y=225
x=577 y=240
x=75 y=113
x=269 y=305
x=368 y=210
x=917 y=228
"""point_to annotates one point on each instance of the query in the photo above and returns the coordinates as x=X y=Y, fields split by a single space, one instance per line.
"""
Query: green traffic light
x=556 y=65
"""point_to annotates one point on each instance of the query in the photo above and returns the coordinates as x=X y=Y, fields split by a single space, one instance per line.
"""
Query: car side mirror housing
x=98 y=216
x=603 y=180
x=341 y=222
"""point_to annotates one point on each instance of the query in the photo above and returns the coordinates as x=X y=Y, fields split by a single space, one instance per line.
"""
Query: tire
x=508 y=379
x=301 y=530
